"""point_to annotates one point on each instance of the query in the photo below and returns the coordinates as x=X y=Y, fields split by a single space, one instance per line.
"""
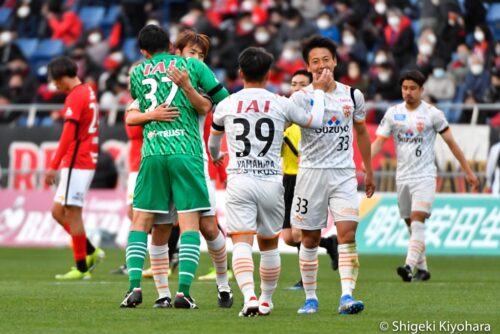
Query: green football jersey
x=150 y=85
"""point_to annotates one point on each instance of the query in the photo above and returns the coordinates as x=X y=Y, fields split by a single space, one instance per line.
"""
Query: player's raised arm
x=298 y=115
x=209 y=83
x=459 y=155
x=180 y=77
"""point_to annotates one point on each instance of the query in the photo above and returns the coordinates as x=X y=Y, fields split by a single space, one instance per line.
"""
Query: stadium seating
x=109 y=19
x=91 y=16
x=46 y=50
x=4 y=15
x=130 y=49
x=493 y=19
x=28 y=46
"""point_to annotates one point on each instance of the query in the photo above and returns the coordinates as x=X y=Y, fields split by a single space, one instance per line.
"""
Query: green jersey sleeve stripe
x=220 y=95
x=214 y=90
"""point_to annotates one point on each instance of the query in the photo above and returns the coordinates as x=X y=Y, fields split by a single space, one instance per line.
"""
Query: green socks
x=136 y=252
x=189 y=256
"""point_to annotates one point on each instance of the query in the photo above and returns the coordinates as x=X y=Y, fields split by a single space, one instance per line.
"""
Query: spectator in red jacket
x=65 y=24
x=399 y=37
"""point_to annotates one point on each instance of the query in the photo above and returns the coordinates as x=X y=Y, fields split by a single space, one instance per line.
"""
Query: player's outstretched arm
x=201 y=104
x=459 y=155
x=363 y=141
x=161 y=113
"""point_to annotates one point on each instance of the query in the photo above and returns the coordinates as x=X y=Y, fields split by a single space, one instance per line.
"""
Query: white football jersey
x=254 y=120
x=414 y=134
x=331 y=145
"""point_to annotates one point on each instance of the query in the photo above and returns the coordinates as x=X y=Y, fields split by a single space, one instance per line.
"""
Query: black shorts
x=289 y=184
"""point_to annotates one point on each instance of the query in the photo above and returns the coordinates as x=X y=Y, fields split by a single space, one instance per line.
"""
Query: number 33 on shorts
x=301 y=205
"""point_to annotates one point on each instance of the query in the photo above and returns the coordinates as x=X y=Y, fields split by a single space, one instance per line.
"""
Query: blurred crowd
x=455 y=43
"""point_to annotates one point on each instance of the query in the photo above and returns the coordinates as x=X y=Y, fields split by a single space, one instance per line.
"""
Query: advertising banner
x=459 y=225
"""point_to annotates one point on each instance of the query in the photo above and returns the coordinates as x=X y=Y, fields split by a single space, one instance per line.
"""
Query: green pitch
x=31 y=301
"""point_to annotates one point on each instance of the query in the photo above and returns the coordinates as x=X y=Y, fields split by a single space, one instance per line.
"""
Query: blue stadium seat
x=493 y=19
x=28 y=46
x=415 y=25
x=47 y=49
x=91 y=16
x=131 y=50
x=109 y=19
x=4 y=14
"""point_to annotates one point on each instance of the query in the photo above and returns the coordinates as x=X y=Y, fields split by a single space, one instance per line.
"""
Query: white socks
x=160 y=265
x=348 y=267
x=416 y=246
x=217 y=250
x=308 y=262
x=270 y=268
x=243 y=268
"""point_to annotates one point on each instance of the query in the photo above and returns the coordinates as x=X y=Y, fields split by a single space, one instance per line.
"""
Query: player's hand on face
x=369 y=184
x=473 y=182
x=179 y=77
x=50 y=177
x=164 y=113
x=323 y=81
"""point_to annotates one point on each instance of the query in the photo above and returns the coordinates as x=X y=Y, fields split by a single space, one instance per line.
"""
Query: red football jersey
x=81 y=107
x=134 y=134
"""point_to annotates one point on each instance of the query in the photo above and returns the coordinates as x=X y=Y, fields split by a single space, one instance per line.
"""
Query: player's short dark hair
x=153 y=39
x=413 y=75
x=62 y=67
x=254 y=63
x=304 y=73
x=191 y=37
x=318 y=41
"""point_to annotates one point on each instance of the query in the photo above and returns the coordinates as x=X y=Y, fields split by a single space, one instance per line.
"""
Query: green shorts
x=165 y=177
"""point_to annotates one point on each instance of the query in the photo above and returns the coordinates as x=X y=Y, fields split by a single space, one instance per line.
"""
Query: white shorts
x=132 y=177
x=416 y=196
x=318 y=190
x=73 y=186
x=254 y=206
x=166 y=218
